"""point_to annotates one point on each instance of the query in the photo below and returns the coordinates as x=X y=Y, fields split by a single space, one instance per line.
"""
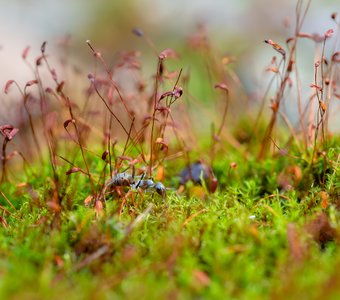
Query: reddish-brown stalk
x=67 y=101
x=93 y=80
x=300 y=16
x=36 y=75
x=182 y=144
x=50 y=139
x=109 y=146
x=216 y=137
x=4 y=161
x=300 y=110
x=5 y=210
x=99 y=56
x=169 y=100
x=291 y=129
x=7 y=200
x=128 y=138
x=48 y=123
x=25 y=97
x=157 y=77
x=321 y=104
x=319 y=116
x=72 y=164
x=331 y=69
x=225 y=111
x=113 y=84
x=154 y=105
x=8 y=132
x=322 y=107
x=264 y=97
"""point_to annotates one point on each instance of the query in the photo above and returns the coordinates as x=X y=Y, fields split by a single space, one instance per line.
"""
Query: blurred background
x=235 y=28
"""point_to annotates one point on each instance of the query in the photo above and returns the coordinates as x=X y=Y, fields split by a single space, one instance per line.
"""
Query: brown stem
x=154 y=115
x=4 y=160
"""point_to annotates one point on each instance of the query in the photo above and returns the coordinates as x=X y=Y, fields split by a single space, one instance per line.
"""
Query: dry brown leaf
x=99 y=207
x=321 y=230
x=88 y=200
x=296 y=248
x=324 y=199
x=201 y=277
x=160 y=173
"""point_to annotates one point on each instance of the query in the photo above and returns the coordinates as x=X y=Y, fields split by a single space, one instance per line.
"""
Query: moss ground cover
x=140 y=188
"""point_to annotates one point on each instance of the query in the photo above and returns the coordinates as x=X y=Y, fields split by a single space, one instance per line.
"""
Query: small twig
x=154 y=114
x=7 y=200
x=92 y=257
x=138 y=220
x=72 y=164
x=224 y=113
x=68 y=103
x=5 y=210
x=128 y=136
x=187 y=221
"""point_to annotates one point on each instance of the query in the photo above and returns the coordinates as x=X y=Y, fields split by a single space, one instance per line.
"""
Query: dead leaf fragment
x=321 y=230
x=88 y=200
x=296 y=248
x=201 y=278
x=324 y=199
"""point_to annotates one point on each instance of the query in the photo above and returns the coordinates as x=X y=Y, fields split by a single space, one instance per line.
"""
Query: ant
x=125 y=179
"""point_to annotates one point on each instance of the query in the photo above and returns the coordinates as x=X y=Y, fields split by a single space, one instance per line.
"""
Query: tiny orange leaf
x=324 y=199
x=201 y=277
x=88 y=200
x=99 y=207
x=160 y=174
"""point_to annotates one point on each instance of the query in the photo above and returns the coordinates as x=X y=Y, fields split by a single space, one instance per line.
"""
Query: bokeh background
x=235 y=27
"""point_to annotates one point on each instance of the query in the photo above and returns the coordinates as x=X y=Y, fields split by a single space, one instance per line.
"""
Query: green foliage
x=234 y=244
x=87 y=222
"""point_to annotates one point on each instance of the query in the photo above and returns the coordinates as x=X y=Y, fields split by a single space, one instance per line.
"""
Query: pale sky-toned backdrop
x=238 y=26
